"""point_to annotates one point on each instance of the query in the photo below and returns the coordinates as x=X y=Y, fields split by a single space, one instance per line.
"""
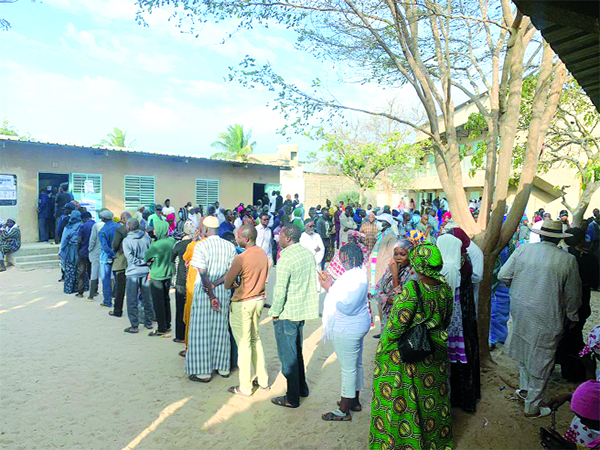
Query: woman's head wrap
x=460 y=234
x=415 y=236
x=405 y=244
x=426 y=260
x=586 y=400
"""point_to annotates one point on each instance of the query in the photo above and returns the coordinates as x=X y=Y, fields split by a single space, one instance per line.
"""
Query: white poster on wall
x=88 y=187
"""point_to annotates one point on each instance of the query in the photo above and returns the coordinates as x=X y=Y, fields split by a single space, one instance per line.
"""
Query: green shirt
x=296 y=294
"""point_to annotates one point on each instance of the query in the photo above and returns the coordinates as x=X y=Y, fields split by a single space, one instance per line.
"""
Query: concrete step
x=19 y=259
x=37 y=250
x=38 y=264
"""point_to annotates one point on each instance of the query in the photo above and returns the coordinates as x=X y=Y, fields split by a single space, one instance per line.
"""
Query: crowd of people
x=413 y=267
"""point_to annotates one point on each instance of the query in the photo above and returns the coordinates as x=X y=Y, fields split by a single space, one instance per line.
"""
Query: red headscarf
x=460 y=234
x=171 y=222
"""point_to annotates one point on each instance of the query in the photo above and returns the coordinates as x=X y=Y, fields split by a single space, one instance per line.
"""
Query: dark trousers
x=120 y=282
x=326 y=244
x=179 y=307
x=136 y=287
x=162 y=303
x=45 y=225
x=84 y=270
x=288 y=336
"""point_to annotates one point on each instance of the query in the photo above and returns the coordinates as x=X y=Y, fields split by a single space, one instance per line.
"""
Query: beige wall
x=175 y=177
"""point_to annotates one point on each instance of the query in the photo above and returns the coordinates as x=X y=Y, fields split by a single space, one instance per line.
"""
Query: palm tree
x=116 y=139
x=234 y=144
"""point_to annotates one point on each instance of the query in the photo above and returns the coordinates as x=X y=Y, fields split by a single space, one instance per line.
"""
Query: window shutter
x=139 y=191
x=79 y=179
x=207 y=192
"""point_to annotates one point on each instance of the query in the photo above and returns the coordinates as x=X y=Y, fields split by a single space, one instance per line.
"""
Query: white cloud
x=152 y=115
x=110 y=51
x=106 y=9
x=155 y=62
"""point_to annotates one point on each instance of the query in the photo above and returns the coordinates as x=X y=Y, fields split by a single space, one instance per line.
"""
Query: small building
x=122 y=179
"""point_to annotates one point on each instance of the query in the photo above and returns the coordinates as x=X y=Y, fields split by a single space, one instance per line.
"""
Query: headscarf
x=449 y=247
x=171 y=222
x=415 y=236
x=426 y=260
x=460 y=234
x=8 y=230
x=298 y=219
x=447 y=216
x=405 y=244
x=74 y=219
x=593 y=342
x=586 y=400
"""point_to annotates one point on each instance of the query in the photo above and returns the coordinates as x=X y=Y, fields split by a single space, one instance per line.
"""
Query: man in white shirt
x=535 y=237
x=313 y=242
x=168 y=209
x=444 y=204
x=265 y=236
x=221 y=215
x=272 y=202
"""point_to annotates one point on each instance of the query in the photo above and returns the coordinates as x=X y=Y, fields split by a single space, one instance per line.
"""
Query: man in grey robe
x=545 y=289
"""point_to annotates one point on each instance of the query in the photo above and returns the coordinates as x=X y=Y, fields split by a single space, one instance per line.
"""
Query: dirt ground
x=71 y=379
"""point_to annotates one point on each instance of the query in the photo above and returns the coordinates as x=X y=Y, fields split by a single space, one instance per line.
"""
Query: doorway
x=46 y=179
x=258 y=190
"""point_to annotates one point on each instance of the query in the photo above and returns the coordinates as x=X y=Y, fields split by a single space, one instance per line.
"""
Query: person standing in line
x=545 y=293
x=346 y=224
x=94 y=256
x=62 y=198
x=346 y=320
x=119 y=265
x=180 y=279
x=295 y=300
x=313 y=242
x=227 y=225
x=336 y=221
x=84 y=267
x=209 y=344
x=107 y=255
x=135 y=245
x=248 y=275
x=158 y=256
x=45 y=215
x=264 y=237
x=69 y=251
x=325 y=229
x=158 y=216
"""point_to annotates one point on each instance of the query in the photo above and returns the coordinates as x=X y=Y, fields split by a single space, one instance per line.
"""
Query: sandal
x=282 y=401
x=179 y=341
x=337 y=416
x=199 y=380
x=236 y=391
x=131 y=330
x=182 y=353
x=150 y=327
x=544 y=411
x=255 y=383
x=518 y=395
x=355 y=408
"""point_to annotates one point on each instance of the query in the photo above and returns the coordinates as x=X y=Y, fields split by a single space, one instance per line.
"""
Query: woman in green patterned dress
x=411 y=404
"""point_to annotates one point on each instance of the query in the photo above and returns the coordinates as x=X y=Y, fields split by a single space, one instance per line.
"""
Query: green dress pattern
x=411 y=403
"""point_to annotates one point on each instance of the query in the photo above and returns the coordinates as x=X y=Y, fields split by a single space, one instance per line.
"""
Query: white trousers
x=536 y=389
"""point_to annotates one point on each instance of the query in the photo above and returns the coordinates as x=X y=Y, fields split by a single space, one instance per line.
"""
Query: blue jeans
x=137 y=287
x=105 y=276
x=288 y=335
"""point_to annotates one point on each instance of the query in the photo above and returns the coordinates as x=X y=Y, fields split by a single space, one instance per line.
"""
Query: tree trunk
x=584 y=202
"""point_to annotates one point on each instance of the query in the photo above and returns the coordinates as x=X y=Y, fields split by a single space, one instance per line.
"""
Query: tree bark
x=584 y=202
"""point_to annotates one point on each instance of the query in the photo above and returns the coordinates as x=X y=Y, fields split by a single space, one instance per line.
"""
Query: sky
x=72 y=70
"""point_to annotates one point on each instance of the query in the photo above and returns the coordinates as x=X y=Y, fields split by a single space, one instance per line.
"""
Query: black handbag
x=415 y=345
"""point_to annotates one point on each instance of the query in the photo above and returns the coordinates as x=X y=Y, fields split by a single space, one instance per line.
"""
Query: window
x=207 y=192
x=86 y=183
x=139 y=191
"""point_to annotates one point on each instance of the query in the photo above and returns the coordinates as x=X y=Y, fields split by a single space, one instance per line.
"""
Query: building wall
x=175 y=177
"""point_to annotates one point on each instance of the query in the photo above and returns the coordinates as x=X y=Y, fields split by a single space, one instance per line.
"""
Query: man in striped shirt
x=209 y=345
x=295 y=299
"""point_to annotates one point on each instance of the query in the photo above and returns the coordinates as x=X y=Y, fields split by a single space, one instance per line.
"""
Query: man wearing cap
x=209 y=345
x=94 y=256
x=107 y=255
x=564 y=218
x=347 y=224
x=545 y=292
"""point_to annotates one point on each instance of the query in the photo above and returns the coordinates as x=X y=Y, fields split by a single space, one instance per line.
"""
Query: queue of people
x=416 y=267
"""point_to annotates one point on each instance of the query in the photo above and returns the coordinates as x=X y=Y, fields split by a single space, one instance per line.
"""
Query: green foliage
x=350 y=197
x=8 y=130
x=362 y=160
x=118 y=138
x=234 y=144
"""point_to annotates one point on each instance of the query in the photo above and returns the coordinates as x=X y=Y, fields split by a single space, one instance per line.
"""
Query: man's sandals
x=355 y=408
x=199 y=380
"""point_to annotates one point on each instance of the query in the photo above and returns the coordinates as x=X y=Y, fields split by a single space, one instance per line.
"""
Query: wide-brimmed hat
x=211 y=222
x=552 y=228
x=385 y=217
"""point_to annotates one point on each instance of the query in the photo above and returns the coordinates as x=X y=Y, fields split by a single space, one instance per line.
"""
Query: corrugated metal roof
x=15 y=139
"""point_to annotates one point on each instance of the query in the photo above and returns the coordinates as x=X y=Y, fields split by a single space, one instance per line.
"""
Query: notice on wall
x=88 y=187
x=8 y=189
x=89 y=205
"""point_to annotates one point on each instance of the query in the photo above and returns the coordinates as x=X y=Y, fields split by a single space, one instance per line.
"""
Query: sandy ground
x=70 y=378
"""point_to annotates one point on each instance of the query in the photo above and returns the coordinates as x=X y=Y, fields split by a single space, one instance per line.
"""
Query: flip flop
x=255 y=383
x=282 y=401
x=199 y=380
x=179 y=341
x=518 y=395
x=149 y=327
x=337 y=416
x=156 y=333
x=182 y=353
x=131 y=330
x=544 y=411
x=236 y=391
